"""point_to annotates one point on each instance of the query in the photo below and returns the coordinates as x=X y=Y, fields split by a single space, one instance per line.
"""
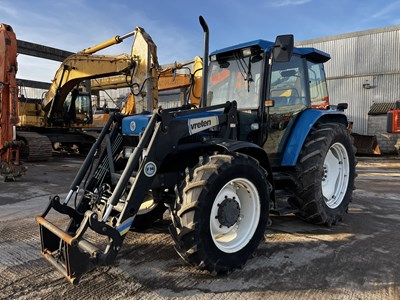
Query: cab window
x=318 y=87
x=288 y=86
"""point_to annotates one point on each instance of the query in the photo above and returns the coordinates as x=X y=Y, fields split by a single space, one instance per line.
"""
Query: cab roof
x=311 y=54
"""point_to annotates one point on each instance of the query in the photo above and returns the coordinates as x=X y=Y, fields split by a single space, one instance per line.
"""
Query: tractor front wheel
x=222 y=212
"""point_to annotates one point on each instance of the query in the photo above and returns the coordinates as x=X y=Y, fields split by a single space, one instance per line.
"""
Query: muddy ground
x=357 y=259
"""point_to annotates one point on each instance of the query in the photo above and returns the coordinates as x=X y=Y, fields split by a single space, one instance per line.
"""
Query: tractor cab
x=269 y=97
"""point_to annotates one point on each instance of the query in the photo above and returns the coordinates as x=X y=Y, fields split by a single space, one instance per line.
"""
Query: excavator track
x=37 y=147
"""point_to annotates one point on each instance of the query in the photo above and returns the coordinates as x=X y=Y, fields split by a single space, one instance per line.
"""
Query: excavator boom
x=86 y=65
x=77 y=68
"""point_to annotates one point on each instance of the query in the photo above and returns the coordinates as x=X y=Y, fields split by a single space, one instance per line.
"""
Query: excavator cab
x=78 y=108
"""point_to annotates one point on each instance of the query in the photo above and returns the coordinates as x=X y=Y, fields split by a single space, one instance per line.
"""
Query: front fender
x=304 y=122
x=252 y=150
x=242 y=147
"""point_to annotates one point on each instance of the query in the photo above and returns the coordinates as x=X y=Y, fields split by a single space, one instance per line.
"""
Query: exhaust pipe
x=203 y=102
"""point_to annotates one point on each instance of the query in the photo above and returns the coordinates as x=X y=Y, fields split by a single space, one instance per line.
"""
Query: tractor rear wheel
x=222 y=212
x=325 y=171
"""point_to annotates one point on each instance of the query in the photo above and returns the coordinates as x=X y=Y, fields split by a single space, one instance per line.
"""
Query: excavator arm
x=85 y=65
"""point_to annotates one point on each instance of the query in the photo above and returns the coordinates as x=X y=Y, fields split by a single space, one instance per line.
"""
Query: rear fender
x=305 y=121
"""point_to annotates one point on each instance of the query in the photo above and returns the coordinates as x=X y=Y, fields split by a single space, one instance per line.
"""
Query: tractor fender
x=304 y=122
x=250 y=149
x=244 y=147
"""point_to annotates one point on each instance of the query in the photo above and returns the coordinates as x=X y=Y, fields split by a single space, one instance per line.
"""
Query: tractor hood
x=136 y=124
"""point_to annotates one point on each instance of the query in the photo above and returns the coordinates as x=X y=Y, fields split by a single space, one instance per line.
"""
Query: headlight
x=246 y=52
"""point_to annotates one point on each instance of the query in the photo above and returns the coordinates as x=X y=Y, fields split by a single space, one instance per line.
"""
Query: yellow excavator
x=66 y=109
x=66 y=112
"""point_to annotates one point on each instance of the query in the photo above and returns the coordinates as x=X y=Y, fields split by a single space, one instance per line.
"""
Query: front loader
x=216 y=168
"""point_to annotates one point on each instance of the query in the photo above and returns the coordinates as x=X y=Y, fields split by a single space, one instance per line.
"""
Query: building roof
x=349 y=35
x=381 y=108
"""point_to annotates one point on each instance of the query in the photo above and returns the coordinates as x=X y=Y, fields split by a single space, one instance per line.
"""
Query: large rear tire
x=325 y=173
x=222 y=212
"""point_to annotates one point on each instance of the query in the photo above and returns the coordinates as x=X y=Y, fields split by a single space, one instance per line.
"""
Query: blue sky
x=77 y=24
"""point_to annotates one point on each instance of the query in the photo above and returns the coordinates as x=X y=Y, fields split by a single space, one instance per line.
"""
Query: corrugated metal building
x=364 y=69
x=29 y=92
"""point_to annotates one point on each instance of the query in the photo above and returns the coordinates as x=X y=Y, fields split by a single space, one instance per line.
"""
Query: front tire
x=325 y=172
x=222 y=212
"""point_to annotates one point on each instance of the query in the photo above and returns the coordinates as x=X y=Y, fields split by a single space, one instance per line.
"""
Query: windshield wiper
x=242 y=66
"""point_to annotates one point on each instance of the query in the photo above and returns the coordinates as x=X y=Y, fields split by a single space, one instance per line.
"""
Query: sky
x=74 y=25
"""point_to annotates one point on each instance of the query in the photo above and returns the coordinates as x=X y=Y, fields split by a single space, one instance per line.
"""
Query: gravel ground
x=357 y=259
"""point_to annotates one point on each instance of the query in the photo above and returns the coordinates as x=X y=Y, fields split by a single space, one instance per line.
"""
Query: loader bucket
x=366 y=144
x=71 y=254
x=62 y=251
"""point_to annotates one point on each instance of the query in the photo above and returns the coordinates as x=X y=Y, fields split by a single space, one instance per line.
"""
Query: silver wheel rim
x=236 y=237
x=336 y=175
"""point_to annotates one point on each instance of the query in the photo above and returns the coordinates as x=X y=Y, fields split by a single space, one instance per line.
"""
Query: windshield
x=235 y=78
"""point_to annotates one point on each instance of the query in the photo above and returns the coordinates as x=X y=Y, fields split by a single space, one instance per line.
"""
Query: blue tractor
x=218 y=168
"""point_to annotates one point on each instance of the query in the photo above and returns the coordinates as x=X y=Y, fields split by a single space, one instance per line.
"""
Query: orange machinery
x=10 y=166
x=393 y=121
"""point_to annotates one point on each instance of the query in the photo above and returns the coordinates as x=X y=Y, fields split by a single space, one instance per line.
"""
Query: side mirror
x=342 y=106
x=283 y=48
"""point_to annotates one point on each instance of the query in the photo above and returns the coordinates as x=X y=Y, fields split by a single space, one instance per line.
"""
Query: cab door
x=289 y=89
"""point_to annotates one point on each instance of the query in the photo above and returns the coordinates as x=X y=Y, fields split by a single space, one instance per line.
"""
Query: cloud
x=8 y=11
x=282 y=3
x=387 y=11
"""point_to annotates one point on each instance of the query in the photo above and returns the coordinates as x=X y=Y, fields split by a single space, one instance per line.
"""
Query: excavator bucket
x=366 y=144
